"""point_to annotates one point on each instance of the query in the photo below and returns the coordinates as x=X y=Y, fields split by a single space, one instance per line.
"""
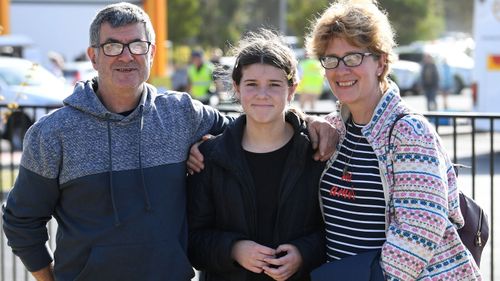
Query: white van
x=486 y=74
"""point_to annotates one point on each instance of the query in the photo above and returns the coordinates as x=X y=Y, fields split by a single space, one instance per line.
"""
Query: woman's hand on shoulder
x=195 y=162
x=324 y=137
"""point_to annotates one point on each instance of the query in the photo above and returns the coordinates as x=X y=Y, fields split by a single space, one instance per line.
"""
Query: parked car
x=406 y=74
x=445 y=54
x=24 y=83
x=78 y=71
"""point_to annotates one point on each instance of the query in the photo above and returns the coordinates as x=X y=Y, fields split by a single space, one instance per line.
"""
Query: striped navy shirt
x=353 y=204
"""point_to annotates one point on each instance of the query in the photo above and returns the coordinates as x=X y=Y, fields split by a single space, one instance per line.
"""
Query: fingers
x=326 y=148
x=323 y=137
x=278 y=272
x=287 y=262
x=318 y=156
x=313 y=133
x=207 y=137
x=251 y=255
x=195 y=162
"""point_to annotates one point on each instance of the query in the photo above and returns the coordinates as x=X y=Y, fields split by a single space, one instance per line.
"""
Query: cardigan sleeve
x=418 y=201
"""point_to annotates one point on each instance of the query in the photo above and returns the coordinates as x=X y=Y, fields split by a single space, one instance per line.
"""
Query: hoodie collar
x=85 y=99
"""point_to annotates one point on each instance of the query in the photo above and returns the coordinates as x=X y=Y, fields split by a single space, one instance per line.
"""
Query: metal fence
x=471 y=139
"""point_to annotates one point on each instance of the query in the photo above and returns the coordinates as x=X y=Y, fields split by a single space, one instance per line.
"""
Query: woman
x=253 y=211
x=401 y=199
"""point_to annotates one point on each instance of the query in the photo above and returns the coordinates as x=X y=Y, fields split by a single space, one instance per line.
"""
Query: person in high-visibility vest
x=311 y=82
x=200 y=74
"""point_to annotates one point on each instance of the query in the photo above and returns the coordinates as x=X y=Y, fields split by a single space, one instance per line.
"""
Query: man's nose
x=126 y=54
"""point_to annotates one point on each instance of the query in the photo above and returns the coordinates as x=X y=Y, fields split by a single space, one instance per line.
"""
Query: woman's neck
x=262 y=138
x=362 y=112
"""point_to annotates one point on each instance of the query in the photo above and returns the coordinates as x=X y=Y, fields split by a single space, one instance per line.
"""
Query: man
x=110 y=167
x=201 y=85
x=311 y=82
x=430 y=81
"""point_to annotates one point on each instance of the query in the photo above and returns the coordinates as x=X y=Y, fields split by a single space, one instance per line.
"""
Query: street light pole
x=4 y=17
x=282 y=16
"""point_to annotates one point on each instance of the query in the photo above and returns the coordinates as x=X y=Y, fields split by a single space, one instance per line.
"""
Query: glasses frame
x=123 y=47
x=363 y=55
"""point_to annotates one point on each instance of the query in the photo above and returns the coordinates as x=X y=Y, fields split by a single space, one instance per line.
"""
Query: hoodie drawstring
x=111 y=185
x=144 y=188
x=147 y=200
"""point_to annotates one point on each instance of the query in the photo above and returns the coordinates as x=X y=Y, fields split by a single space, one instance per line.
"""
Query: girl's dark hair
x=266 y=47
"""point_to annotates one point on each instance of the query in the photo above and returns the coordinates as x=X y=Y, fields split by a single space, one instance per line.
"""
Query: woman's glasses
x=350 y=60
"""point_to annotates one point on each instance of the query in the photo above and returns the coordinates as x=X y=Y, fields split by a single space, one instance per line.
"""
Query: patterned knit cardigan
x=422 y=207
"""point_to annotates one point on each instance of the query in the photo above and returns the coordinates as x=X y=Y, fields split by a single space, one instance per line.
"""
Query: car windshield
x=27 y=75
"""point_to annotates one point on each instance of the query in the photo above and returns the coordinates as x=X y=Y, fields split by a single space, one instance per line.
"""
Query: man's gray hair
x=117 y=15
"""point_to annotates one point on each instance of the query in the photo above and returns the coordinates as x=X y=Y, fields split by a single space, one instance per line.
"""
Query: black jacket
x=221 y=206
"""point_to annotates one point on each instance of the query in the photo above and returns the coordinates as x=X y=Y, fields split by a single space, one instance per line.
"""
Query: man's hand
x=44 y=274
x=286 y=265
x=252 y=256
x=324 y=137
x=195 y=160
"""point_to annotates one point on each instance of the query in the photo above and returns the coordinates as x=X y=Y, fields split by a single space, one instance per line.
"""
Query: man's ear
x=92 y=56
x=152 y=55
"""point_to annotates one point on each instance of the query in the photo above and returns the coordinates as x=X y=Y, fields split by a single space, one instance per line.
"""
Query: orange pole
x=4 y=16
x=157 y=11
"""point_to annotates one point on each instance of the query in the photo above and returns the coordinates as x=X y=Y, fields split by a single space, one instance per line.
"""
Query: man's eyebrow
x=113 y=40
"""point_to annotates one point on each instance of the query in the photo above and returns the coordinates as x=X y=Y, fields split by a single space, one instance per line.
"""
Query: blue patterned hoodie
x=115 y=184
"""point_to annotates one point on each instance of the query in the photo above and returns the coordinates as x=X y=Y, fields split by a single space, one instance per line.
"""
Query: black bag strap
x=401 y=115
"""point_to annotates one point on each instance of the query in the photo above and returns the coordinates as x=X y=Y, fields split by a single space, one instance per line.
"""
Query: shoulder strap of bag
x=401 y=115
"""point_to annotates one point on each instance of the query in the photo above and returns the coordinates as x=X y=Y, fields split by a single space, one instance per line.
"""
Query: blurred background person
x=311 y=82
x=430 y=81
x=215 y=56
x=56 y=64
x=200 y=74
x=446 y=83
x=179 y=78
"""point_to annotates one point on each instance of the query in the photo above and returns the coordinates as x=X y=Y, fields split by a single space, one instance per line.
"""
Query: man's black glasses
x=113 y=49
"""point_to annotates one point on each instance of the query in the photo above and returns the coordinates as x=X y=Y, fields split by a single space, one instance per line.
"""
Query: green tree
x=459 y=15
x=415 y=19
x=184 y=21
x=411 y=19
x=220 y=23
x=301 y=15
x=215 y=23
